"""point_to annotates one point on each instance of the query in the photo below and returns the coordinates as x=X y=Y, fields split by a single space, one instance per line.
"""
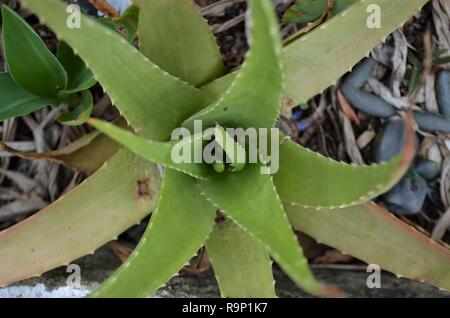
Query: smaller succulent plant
x=36 y=78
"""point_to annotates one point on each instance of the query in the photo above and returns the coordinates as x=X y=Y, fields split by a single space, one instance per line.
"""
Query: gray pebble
x=408 y=197
x=390 y=141
x=361 y=73
x=432 y=122
x=368 y=103
x=427 y=168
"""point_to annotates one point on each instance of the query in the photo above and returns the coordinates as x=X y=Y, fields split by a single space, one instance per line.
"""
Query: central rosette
x=228 y=154
x=227 y=149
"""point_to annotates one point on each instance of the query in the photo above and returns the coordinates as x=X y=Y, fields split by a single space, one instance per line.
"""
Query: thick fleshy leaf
x=174 y=35
x=15 y=101
x=250 y=200
x=109 y=202
x=375 y=236
x=180 y=225
x=30 y=63
x=310 y=179
x=242 y=266
x=81 y=112
x=317 y=60
x=154 y=151
x=80 y=77
x=254 y=97
x=124 y=72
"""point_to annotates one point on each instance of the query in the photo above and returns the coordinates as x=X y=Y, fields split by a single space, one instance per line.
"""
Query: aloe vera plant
x=243 y=217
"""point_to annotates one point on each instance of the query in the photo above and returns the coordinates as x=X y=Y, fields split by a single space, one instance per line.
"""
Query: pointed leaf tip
x=243 y=105
x=256 y=208
x=154 y=151
x=321 y=182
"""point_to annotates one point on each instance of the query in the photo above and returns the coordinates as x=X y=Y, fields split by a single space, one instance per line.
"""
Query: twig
x=218 y=28
x=441 y=227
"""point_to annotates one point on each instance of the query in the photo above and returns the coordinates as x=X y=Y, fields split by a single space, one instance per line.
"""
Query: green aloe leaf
x=126 y=71
x=180 y=225
x=80 y=77
x=125 y=191
x=30 y=63
x=375 y=236
x=234 y=151
x=310 y=179
x=254 y=205
x=242 y=266
x=154 y=151
x=243 y=104
x=81 y=112
x=317 y=60
x=191 y=53
x=15 y=101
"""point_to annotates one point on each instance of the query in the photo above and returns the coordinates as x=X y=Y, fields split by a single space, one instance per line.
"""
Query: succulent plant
x=242 y=216
x=36 y=78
